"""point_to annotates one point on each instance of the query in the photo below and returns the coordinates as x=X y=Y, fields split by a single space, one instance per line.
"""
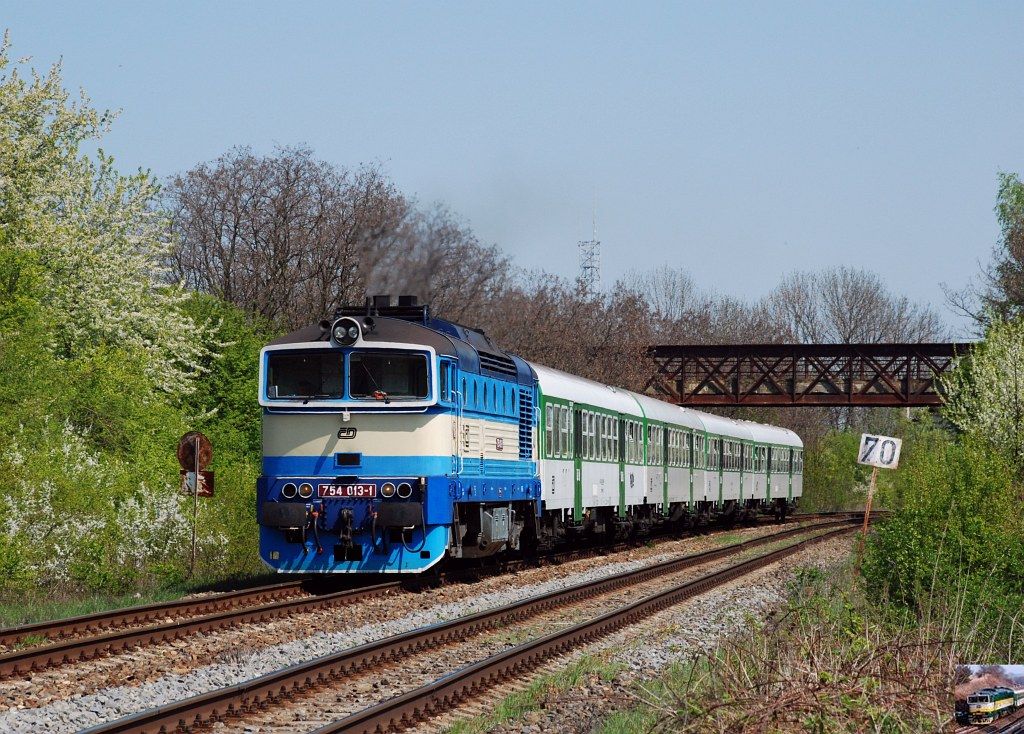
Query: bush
x=91 y=500
x=824 y=663
x=225 y=407
x=833 y=480
x=954 y=532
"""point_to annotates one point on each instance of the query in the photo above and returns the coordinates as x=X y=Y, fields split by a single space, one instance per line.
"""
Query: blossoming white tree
x=81 y=239
x=82 y=252
x=985 y=394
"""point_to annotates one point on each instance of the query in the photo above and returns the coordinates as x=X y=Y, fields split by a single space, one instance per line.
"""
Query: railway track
x=75 y=639
x=130 y=616
x=1014 y=724
x=425 y=702
x=406 y=709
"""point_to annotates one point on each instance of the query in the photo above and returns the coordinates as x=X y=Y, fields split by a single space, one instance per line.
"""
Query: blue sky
x=740 y=141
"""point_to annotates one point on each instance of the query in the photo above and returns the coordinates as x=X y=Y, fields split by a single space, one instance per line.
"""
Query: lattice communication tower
x=590 y=264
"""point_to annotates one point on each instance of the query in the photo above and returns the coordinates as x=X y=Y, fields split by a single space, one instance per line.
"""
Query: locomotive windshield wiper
x=378 y=394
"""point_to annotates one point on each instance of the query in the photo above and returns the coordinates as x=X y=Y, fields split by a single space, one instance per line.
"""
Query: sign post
x=195 y=454
x=867 y=506
x=195 y=507
x=878 y=452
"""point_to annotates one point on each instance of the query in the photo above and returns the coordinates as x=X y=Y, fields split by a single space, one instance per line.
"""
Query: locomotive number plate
x=346 y=490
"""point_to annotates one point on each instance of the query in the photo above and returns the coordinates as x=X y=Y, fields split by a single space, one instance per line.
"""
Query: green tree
x=951 y=545
x=103 y=365
x=82 y=240
x=1004 y=291
x=985 y=393
x=833 y=480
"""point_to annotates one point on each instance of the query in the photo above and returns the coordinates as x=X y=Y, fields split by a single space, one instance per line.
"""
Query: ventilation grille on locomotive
x=525 y=424
x=497 y=363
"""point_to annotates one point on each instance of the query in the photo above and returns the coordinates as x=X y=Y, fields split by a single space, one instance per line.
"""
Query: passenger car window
x=548 y=431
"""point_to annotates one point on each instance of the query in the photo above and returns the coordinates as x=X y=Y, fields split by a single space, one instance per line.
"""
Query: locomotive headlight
x=305 y=490
x=405 y=490
x=387 y=490
x=343 y=334
x=345 y=331
x=288 y=491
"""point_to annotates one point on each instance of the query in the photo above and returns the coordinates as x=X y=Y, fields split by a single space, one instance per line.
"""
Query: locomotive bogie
x=485 y=529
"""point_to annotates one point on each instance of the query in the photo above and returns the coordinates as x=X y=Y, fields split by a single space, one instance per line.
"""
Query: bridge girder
x=877 y=375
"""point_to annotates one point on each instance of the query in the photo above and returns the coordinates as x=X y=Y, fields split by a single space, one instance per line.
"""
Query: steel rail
x=57 y=628
x=591 y=551
x=407 y=709
x=38 y=658
x=259 y=691
x=1013 y=723
x=214 y=613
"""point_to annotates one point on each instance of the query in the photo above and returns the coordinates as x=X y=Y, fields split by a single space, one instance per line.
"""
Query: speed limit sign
x=880 y=451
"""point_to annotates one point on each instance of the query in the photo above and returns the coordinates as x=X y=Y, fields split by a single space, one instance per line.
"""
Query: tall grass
x=829 y=662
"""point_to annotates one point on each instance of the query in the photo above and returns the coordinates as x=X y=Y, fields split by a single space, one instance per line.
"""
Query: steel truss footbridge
x=877 y=375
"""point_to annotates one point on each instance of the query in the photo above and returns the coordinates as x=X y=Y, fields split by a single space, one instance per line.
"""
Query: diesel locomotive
x=393 y=440
x=988 y=704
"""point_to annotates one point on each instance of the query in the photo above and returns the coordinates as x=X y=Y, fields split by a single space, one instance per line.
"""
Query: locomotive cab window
x=393 y=375
x=305 y=375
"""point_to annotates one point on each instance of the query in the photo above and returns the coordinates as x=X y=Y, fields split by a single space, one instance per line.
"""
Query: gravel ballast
x=79 y=711
x=644 y=650
x=330 y=703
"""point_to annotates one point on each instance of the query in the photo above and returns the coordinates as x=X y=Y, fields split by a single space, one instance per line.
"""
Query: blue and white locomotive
x=392 y=440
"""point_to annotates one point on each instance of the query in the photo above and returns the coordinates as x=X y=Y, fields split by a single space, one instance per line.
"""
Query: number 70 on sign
x=880 y=451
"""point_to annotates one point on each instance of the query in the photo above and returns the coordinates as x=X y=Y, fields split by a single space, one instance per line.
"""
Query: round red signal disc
x=187 y=451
